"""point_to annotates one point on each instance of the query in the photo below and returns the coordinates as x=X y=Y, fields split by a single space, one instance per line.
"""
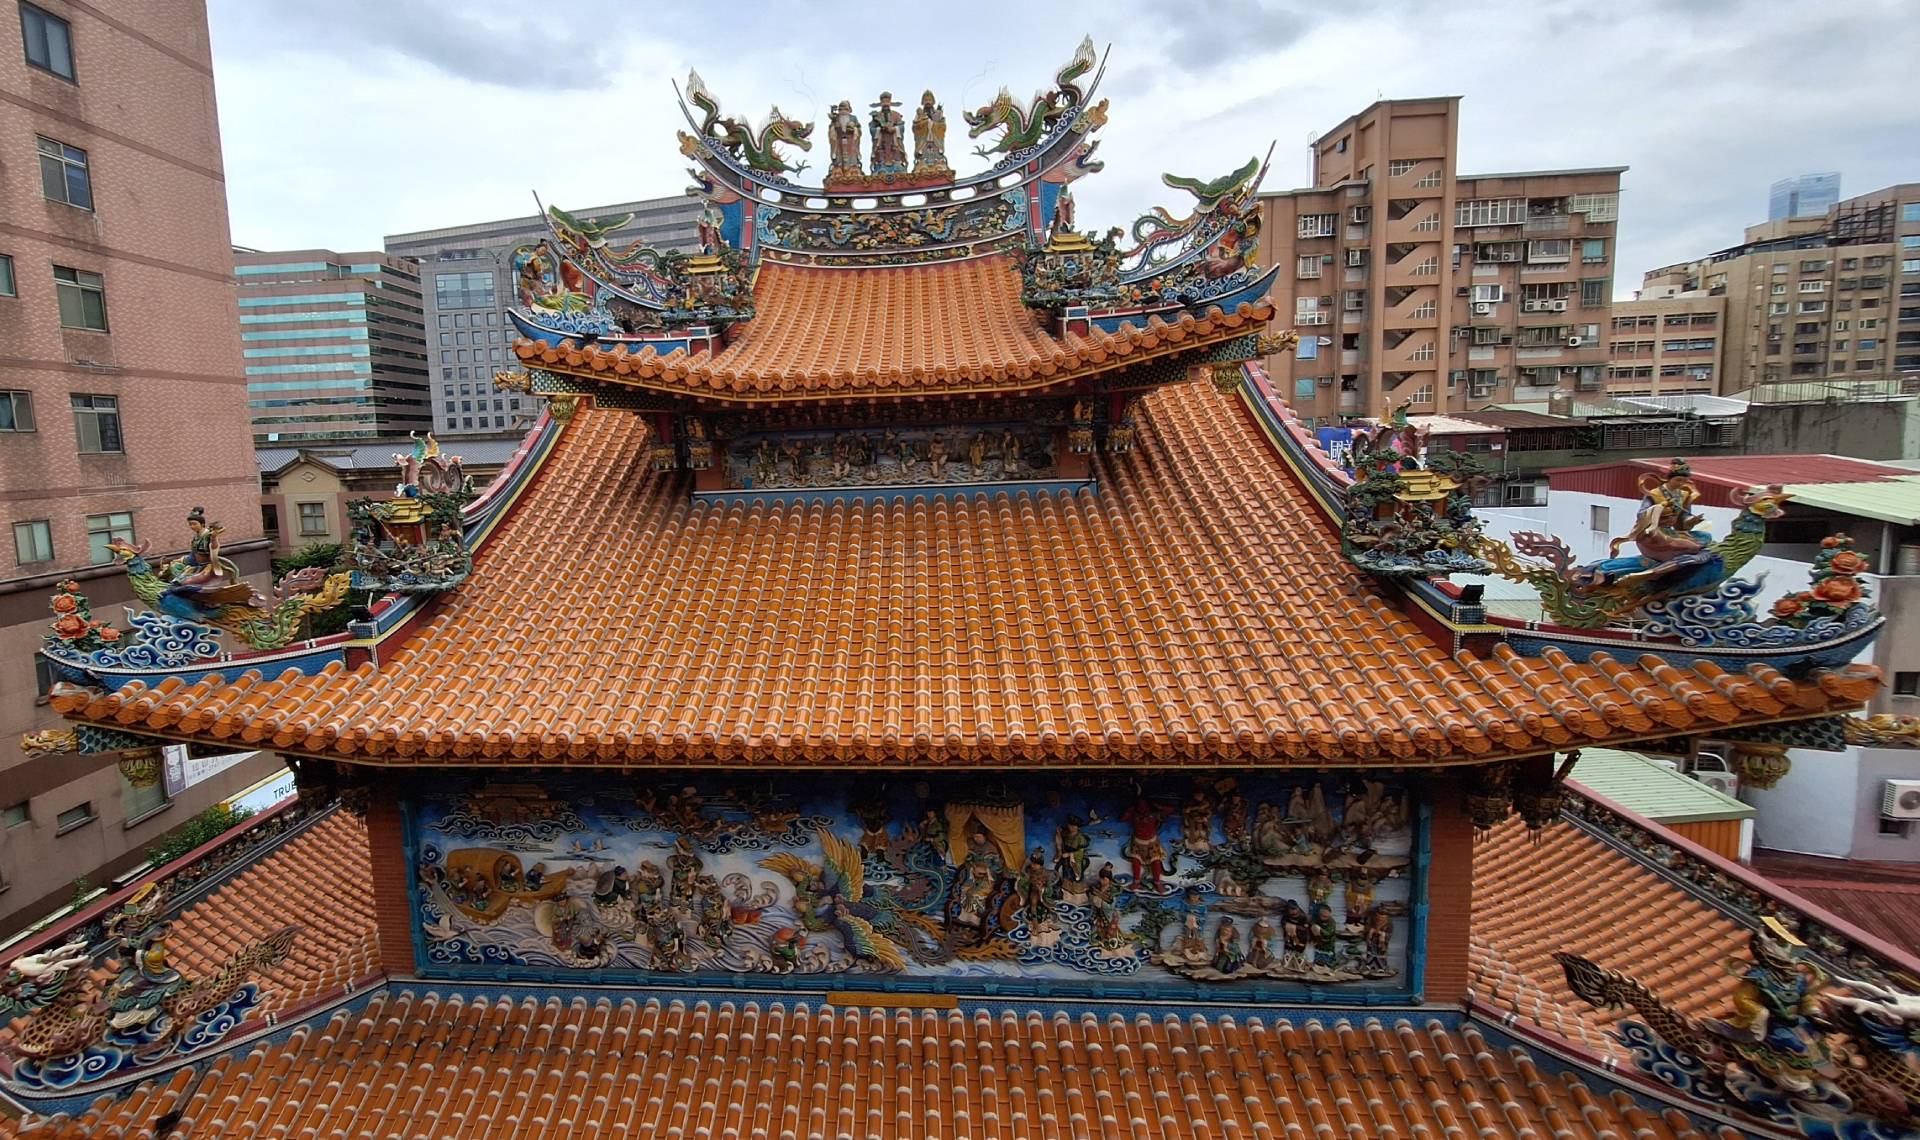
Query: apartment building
x=1818 y=300
x=335 y=345
x=468 y=271
x=1412 y=283
x=121 y=396
x=1665 y=342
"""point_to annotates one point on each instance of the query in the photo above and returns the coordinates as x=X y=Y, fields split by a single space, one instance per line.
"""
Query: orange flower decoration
x=1787 y=607
x=1832 y=541
x=70 y=627
x=108 y=633
x=64 y=604
x=70 y=586
x=1838 y=590
x=1847 y=562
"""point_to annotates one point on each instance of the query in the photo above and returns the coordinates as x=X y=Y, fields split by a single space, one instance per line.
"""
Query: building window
x=138 y=802
x=1490 y=212
x=1309 y=266
x=1593 y=293
x=313 y=518
x=7 y=286
x=32 y=541
x=63 y=174
x=49 y=41
x=16 y=410
x=16 y=814
x=1397 y=167
x=79 y=815
x=270 y=518
x=83 y=298
x=1910 y=211
x=96 y=423
x=102 y=529
x=1317 y=225
x=1906 y=684
x=1896 y=827
x=1593 y=250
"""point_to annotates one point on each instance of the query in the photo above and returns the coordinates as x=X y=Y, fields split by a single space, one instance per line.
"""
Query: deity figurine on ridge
x=889 y=136
x=930 y=137
x=712 y=241
x=843 y=142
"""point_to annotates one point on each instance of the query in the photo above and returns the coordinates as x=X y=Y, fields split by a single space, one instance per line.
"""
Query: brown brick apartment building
x=122 y=396
x=1450 y=291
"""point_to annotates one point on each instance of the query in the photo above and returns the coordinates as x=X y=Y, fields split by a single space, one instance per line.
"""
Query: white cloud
x=346 y=120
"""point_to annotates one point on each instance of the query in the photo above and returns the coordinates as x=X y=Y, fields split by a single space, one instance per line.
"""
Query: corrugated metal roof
x=1696 y=404
x=1895 y=500
x=1515 y=418
x=1451 y=425
x=1761 y=470
x=1652 y=789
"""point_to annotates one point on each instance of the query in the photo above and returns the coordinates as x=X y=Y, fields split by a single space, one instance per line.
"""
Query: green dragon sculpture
x=1591 y=596
x=1025 y=126
x=1157 y=225
x=756 y=148
x=303 y=592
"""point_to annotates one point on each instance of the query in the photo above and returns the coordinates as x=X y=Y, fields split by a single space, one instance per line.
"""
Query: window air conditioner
x=1482 y=308
x=1559 y=306
x=1900 y=799
x=1574 y=342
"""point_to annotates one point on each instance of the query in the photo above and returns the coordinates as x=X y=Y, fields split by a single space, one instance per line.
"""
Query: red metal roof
x=1751 y=470
x=1882 y=899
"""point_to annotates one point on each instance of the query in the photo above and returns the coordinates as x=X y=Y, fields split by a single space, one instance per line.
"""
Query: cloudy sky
x=346 y=120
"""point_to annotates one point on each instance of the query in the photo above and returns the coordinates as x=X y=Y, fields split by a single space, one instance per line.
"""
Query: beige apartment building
x=1665 y=342
x=1820 y=300
x=122 y=395
x=1411 y=283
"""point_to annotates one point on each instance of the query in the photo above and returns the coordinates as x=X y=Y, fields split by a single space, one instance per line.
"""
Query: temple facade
x=916 y=678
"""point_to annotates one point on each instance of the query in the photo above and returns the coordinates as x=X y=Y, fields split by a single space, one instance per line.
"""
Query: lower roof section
x=1192 y=607
x=422 y=1064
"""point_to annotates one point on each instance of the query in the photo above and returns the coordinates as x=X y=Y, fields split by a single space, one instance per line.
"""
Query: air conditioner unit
x=1711 y=758
x=1725 y=783
x=1482 y=308
x=1574 y=342
x=1326 y=381
x=1900 y=799
x=1559 y=306
x=1326 y=259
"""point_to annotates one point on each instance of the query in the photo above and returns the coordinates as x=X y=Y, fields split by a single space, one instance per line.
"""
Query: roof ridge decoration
x=1804 y=1050
x=73 y=1029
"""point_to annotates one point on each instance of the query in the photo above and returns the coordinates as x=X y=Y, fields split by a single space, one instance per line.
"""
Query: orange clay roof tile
x=1566 y=890
x=1192 y=609
x=413 y=1063
x=925 y=329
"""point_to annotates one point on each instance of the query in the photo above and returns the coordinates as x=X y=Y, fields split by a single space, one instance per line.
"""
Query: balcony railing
x=1548 y=224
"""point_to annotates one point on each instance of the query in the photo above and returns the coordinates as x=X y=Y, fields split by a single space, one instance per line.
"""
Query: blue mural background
x=1273 y=887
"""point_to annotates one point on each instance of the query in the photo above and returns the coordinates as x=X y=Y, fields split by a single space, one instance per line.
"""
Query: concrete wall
x=1829 y=804
x=1863 y=430
x=1812 y=808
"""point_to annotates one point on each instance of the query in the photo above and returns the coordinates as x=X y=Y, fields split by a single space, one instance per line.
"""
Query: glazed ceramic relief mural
x=1258 y=884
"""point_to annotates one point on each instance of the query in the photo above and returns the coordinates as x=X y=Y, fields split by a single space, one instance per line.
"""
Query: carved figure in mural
x=1036 y=887
x=708 y=229
x=683 y=868
x=843 y=142
x=1296 y=935
x=1227 y=955
x=1359 y=896
x=1666 y=526
x=1269 y=833
x=1326 y=937
x=1144 y=851
x=937 y=455
x=888 y=128
x=1260 y=945
x=1104 y=900
x=1196 y=823
x=977 y=453
x=1063 y=212
x=1189 y=945
x=930 y=137
x=1377 y=940
x=1009 y=454
x=1773 y=1006
x=1070 y=846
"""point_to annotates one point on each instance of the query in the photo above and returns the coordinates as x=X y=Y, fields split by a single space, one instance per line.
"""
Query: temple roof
x=951 y=328
x=1194 y=608
x=421 y=1063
